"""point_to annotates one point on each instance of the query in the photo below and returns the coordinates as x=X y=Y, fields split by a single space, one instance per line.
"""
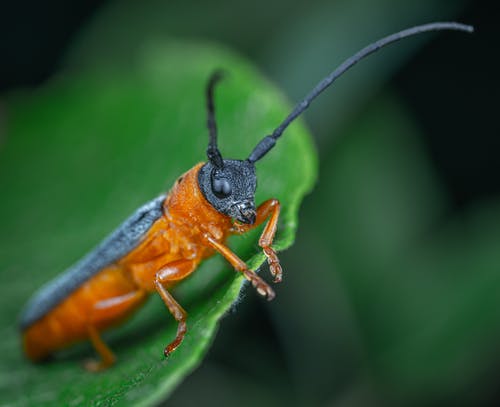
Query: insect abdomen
x=68 y=322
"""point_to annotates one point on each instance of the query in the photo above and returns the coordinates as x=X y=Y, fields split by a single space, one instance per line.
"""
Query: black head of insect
x=229 y=185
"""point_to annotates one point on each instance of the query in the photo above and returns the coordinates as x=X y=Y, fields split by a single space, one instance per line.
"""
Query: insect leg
x=174 y=271
x=108 y=358
x=270 y=208
x=103 y=313
x=260 y=285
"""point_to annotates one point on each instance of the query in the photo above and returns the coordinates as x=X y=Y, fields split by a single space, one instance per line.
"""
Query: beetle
x=165 y=240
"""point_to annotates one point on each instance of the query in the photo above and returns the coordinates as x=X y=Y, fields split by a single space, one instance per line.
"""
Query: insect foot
x=181 y=331
x=94 y=366
x=274 y=264
x=260 y=285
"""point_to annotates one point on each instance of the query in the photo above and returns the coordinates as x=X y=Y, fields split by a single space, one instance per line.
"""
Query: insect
x=165 y=240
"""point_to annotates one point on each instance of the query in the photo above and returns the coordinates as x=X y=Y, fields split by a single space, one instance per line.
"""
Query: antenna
x=268 y=142
x=213 y=153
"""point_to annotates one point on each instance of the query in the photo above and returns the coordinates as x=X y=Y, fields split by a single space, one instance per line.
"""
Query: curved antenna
x=268 y=142
x=213 y=153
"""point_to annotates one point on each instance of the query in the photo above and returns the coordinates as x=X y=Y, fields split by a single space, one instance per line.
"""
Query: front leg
x=260 y=285
x=271 y=209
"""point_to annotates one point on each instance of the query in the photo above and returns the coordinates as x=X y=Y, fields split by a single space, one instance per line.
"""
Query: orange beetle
x=164 y=241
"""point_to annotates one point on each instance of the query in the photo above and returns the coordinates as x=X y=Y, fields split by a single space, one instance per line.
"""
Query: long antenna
x=268 y=142
x=213 y=153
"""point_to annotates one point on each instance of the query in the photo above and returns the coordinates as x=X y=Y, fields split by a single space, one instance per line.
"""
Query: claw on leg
x=274 y=264
x=260 y=285
x=181 y=332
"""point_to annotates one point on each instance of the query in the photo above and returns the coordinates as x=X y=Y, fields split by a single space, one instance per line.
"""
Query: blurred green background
x=390 y=293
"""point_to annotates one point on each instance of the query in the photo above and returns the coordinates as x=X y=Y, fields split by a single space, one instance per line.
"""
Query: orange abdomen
x=67 y=322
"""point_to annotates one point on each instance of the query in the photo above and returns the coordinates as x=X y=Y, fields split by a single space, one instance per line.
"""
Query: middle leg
x=171 y=273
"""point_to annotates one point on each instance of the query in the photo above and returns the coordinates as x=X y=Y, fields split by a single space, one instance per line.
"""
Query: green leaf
x=81 y=154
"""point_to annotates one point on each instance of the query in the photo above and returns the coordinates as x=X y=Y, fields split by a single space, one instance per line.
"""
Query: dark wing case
x=124 y=239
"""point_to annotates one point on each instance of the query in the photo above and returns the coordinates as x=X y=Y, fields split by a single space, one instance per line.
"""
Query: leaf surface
x=81 y=154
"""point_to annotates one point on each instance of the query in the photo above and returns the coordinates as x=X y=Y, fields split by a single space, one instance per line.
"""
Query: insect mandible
x=165 y=240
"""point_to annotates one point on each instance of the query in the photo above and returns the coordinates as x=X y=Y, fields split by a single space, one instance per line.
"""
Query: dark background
x=35 y=36
x=450 y=84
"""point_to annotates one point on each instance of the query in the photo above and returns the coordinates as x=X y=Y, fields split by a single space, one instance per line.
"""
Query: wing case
x=123 y=240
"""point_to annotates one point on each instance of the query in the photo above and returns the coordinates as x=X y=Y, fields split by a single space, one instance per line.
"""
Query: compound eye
x=221 y=187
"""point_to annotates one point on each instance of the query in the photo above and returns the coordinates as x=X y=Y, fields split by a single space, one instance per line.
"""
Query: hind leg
x=104 y=312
